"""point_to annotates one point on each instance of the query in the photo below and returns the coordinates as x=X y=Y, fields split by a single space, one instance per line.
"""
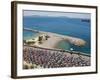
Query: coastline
x=54 y=39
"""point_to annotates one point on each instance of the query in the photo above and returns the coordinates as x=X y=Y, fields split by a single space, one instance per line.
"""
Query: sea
x=75 y=27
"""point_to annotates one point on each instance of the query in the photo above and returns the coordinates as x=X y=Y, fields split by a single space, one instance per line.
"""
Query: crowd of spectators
x=46 y=58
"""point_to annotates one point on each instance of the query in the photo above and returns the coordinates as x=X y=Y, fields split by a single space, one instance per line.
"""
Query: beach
x=54 y=39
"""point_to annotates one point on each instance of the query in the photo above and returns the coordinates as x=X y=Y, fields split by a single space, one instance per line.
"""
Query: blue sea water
x=62 y=25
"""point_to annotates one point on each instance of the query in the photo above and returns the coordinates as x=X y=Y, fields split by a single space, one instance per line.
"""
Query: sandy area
x=56 y=38
x=50 y=43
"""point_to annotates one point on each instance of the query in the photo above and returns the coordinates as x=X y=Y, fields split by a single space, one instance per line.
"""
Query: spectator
x=45 y=58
